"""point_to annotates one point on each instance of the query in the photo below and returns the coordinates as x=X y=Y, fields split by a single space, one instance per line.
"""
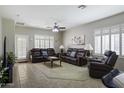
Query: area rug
x=66 y=71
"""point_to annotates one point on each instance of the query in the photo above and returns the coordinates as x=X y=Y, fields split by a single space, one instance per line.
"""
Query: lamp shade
x=61 y=47
x=88 y=47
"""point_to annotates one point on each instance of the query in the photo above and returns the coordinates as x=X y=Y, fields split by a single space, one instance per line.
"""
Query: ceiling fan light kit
x=55 y=28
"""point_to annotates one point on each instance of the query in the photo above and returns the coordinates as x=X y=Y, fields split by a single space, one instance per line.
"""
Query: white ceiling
x=65 y=15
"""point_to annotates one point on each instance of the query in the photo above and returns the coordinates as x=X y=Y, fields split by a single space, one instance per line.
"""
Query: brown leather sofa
x=75 y=56
x=97 y=69
x=41 y=55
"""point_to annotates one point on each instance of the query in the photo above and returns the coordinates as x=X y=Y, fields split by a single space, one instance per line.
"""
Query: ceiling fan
x=57 y=28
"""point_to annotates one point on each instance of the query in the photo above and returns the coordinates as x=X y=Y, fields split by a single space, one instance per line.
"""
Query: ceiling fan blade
x=49 y=27
x=62 y=27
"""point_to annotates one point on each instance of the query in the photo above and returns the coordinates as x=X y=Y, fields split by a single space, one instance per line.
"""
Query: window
x=51 y=42
x=105 y=39
x=21 y=46
x=112 y=39
x=122 y=43
x=122 y=38
x=105 y=43
x=115 y=43
x=115 y=39
x=44 y=41
x=97 y=42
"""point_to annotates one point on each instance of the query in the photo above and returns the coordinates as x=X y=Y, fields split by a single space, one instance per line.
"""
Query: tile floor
x=25 y=76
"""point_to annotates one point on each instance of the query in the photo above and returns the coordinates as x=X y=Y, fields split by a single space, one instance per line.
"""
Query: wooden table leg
x=51 y=63
x=60 y=63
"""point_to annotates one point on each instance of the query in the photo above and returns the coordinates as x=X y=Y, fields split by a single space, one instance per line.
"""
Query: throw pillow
x=73 y=53
x=44 y=53
x=68 y=53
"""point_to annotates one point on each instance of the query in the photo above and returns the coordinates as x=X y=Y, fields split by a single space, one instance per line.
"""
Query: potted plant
x=11 y=58
x=3 y=73
x=11 y=61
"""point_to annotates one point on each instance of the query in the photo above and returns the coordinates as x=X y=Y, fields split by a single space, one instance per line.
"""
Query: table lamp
x=61 y=48
x=89 y=47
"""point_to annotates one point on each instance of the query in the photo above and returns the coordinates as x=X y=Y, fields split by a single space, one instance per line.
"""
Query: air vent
x=82 y=6
x=20 y=23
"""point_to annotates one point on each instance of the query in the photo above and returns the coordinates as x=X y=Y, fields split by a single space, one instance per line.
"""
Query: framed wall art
x=78 y=40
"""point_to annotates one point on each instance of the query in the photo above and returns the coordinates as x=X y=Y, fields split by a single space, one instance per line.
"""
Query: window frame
x=120 y=31
x=44 y=41
x=27 y=44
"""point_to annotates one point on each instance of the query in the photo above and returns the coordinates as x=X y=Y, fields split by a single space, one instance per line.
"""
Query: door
x=21 y=46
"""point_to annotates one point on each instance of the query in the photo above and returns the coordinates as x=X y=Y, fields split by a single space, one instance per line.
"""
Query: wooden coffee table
x=52 y=59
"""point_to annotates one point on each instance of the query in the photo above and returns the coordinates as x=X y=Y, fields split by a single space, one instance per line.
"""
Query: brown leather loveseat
x=75 y=56
x=41 y=55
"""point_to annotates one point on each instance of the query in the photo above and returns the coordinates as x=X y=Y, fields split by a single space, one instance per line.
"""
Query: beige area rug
x=66 y=71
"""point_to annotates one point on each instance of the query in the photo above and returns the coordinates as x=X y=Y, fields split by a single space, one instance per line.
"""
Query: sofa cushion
x=39 y=57
x=73 y=54
x=73 y=59
x=70 y=58
x=36 y=54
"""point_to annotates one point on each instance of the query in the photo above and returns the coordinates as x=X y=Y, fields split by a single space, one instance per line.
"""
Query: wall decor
x=78 y=40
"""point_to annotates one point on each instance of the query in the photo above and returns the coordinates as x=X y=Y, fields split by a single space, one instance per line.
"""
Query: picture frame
x=78 y=40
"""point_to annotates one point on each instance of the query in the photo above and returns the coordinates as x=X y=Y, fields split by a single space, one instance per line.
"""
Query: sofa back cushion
x=112 y=59
x=51 y=51
x=81 y=53
x=36 y=52
x=108 y=53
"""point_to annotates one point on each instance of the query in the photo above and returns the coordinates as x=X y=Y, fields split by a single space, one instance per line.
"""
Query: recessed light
x=18 y=15
x=82 y=6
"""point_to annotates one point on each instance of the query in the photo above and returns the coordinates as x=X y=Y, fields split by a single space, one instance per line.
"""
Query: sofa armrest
x=81 y=60
x=64 y=54
x=95 y=60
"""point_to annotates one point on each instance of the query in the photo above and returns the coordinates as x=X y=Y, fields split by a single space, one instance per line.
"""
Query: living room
x=60 y=44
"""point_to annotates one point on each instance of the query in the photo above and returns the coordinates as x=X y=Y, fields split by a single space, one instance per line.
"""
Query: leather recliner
x=103 y=67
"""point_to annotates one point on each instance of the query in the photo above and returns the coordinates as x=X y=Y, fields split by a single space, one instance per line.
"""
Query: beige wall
x=0 y=37
x=30 y=31
x=8 y=30
x=88 y=31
